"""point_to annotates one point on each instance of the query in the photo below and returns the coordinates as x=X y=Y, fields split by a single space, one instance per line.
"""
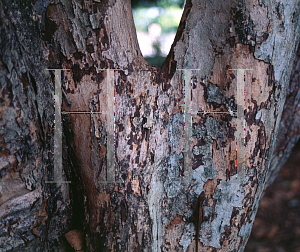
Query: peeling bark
x=153 y=206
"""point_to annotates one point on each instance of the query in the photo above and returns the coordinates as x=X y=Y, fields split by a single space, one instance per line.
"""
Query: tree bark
x=289 y=131
x=171 y=189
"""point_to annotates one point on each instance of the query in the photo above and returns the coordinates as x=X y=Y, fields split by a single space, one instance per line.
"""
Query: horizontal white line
x=188 y=69
x=108 y=69
x=82 y=112
x=240 y=69
x=58 y=69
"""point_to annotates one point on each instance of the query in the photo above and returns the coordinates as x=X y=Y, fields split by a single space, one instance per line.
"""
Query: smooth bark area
x=167 y=194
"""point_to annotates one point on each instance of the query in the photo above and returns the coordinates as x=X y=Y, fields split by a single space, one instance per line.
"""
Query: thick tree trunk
x=171 y=189
x=289 y=129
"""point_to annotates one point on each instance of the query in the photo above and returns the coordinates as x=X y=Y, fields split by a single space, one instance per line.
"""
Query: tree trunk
x=289 y=129
x=143 y=178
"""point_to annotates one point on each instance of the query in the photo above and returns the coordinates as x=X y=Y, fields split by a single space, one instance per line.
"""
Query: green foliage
x=157 y=3
x=166 y=13
x=166 y=3
x=155 y=61
x=168 y=18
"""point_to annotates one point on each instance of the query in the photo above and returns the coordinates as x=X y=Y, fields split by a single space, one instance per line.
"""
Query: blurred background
x=277 y=224
x=156 y=24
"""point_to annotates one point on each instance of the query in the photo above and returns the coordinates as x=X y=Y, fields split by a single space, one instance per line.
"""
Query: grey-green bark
x=155 y=209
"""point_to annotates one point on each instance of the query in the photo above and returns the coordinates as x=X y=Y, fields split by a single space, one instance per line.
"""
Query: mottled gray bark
x=289 y=129
x=156 y=203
